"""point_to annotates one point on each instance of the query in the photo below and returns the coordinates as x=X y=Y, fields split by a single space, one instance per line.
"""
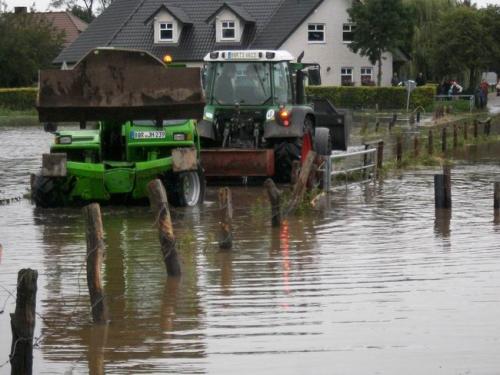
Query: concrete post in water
x=299 y=188
x=22 y=323
x=380 y=155
x=442 y=188
x=444 y=142
x=455 y=136
x=275 y=198
x=95 y=255
x=416 y=147
x=399 y=151
x=159 y=205
x=226 y=218
x=430 y=145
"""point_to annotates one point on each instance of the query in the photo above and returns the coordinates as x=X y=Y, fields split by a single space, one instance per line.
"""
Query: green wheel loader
x=141 y=112
x=258 y=120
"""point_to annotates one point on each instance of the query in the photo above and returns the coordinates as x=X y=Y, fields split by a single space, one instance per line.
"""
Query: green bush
x=18 y=99
x=369 y=97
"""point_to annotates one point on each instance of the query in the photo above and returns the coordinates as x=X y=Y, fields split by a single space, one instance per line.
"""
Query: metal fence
x=470 y=98
x=367 y=162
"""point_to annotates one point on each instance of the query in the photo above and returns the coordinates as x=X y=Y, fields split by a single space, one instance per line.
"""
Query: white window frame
x=225 y=25
x=165 y=26
x=343 y=73
x=351 y=29
x=364 y=74
x=313 y=27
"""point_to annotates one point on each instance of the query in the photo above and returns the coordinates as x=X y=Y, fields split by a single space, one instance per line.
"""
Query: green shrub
x=369 y=97
x=18 y=99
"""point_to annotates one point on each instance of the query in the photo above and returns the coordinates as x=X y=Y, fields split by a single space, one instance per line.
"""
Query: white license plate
x=156 y=134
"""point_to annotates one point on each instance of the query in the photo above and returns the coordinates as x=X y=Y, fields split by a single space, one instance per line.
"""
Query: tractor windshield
x=246 y=83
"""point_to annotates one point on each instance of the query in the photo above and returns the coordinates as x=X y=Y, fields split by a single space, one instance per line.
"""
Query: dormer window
x=228 y=30
x=166 y=31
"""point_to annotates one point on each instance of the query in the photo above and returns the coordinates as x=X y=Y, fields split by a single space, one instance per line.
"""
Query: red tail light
x=284 y=116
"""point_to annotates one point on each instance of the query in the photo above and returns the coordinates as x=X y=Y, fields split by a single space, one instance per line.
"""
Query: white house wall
x=334 y=53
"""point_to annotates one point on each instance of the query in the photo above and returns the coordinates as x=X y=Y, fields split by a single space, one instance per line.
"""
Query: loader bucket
x=119 y=85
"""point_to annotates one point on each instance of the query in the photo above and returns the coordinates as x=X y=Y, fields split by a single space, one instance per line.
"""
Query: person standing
x=420 y=79
x=395 y=80
x=484 y=89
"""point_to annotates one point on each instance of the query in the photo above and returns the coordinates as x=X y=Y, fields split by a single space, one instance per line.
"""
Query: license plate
x=156 y=134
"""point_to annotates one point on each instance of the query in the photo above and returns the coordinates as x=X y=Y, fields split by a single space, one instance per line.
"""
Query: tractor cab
x=257 y=114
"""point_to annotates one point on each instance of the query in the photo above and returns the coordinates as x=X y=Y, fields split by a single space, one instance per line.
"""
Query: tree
x=85 y=9
x=426 y=14
x=381 y=26
x=27 y=43
x=490 y=19
x=461 y=43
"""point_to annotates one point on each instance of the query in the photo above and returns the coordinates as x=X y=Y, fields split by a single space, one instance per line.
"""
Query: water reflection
x=442 y=222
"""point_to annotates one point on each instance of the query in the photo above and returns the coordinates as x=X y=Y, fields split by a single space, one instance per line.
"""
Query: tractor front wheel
x=47 y=192
x=322 y=141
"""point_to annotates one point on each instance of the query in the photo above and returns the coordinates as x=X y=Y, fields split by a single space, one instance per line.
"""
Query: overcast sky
x=42 y=5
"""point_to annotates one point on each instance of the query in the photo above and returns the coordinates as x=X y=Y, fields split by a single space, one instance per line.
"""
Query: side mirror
x=50 y=127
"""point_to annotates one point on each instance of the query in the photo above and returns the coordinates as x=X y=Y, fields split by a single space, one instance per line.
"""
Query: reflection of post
x=399 y=151
x=274 y=197
x=496 y=202
x=226 y=218
x=23 y=323
x=442 y=222
x=98 y=341
x=159 y=205
x=95 y=254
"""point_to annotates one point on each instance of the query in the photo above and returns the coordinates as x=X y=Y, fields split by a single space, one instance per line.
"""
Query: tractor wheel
x=322 y=142
x=47 y=192
x=285 y=153
x=188 y=188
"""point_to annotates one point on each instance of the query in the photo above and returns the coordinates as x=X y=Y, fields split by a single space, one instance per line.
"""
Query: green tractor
x=140 y=110
x=258 y=120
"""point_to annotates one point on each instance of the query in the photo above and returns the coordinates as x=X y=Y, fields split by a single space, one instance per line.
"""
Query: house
x=189 y=29
x=69 y=24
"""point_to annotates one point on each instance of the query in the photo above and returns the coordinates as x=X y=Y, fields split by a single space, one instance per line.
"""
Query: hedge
x=18 y=99
x=370 y=96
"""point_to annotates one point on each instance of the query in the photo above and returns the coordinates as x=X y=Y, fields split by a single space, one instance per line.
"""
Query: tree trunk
x=379 y=73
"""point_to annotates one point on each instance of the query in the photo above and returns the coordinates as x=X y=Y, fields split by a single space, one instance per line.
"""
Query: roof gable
x=237 y=9
x=176 y=12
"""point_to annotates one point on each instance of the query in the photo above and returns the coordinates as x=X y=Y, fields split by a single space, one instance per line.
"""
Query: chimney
x=20 y=10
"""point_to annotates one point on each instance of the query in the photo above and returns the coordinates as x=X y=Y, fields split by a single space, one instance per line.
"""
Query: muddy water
x=377 y=285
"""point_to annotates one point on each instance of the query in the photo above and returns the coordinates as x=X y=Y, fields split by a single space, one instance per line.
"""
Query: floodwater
x=378 y=284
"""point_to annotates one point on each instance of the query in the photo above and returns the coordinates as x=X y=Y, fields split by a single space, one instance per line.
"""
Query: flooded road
x=377 y=285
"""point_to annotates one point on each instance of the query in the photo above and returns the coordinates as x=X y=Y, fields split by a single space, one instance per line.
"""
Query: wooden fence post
x=444 y=142
x=475 y=128
x=380 y=155
x=159 y=205
x=377 y=125
x=275 y=198
x=299 y=188
x=416 y=146
x=465 y=131
x=95 y=255
x=430 y=145
x=22 y=323
x=455 y=136
x=442 y=188
x=226 y=218
x=399 y=151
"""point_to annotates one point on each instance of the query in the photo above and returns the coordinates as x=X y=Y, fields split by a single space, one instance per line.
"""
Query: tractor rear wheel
x=285 y=153
x=188 y=188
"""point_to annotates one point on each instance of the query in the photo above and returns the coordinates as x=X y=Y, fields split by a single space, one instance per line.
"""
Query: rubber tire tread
x=285 y=153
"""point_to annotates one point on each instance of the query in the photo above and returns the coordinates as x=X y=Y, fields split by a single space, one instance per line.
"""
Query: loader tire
x=285 y=153
x=47 y=192
x=188 y=188
x=322 y=142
